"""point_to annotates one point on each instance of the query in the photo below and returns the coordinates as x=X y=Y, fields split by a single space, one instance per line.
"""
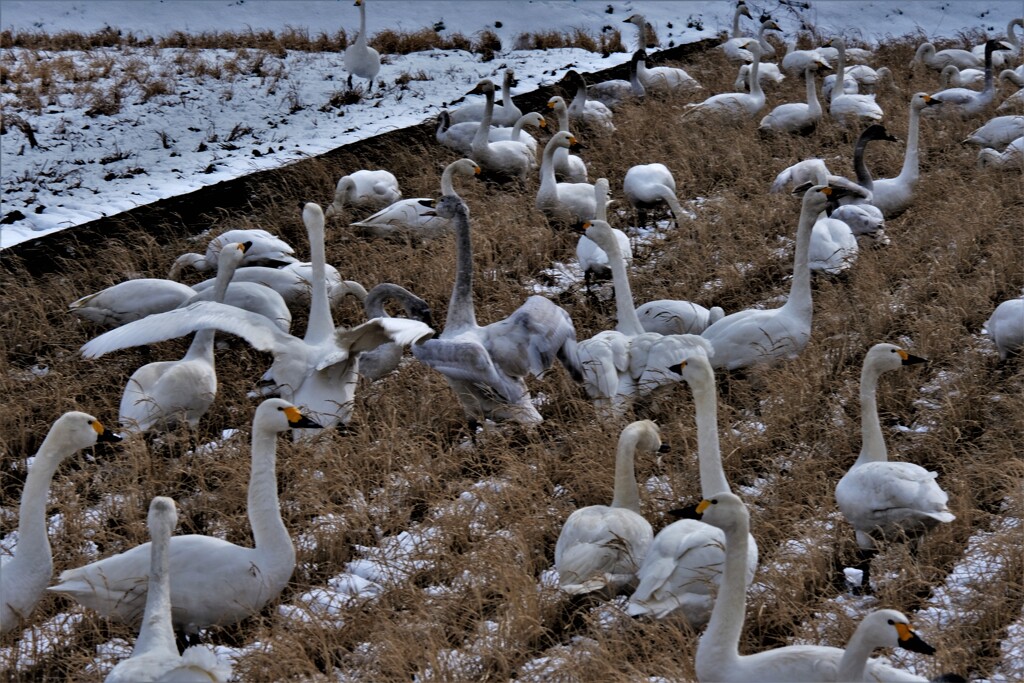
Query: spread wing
x=528 y=341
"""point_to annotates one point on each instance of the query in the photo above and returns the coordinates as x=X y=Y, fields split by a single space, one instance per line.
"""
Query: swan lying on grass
x=266 y=250
x=365 y=189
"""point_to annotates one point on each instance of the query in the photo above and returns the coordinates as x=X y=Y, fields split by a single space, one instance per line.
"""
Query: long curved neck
x=755 y=82
x=361 y=38
x=461 y=311
x=855 y=657
x=736 y=23
x=563 y=118
x=1011 y=34
x=579 y=100
x=837 y=88
x=813 y=106
x=800 y=286
x=202 y=342
x=506 y=92
x=910 y=170
x=709 y=454
x=157 y=633
x=447 y=180
x=625 y=311
x=268 y=530
x=860 y=168
x=765 y=45
x=990 y=85
x=627 y=492
x=634 y=78
x=33 y=542
x=517 y=128
x=548 y=182
x=872 y=447
x=321 y=325
x=482 y=131
x=719 y=646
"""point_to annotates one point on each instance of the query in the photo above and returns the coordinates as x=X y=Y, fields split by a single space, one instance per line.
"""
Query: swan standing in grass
x=592 y=259
x=796 y=117
x=487 y=366
x=569 y=168
x=563 y=202
x=365 y=189
x=626 y=363
x=616 y=92
x=683 y=567
x=504 y=157
x=589 y=112
x=756 y=335
x=600 y=547
x=718 y=658
x=886 y=500
x=664 y=80
x=416 y=217
x=1006 y=327
x=998 y=132
x=155 y=655
x=964 y=102
x=851 y=109
x=648 y=186
x=384 y=359
x=213 y=582
x=1011 y=158
x=938 y=60
x=734 y=107
x=266 y=250
x=360 y=59
x=161 y=393
x=318 y=371
x=23 y=578
x=504 y=114
x=131 y=300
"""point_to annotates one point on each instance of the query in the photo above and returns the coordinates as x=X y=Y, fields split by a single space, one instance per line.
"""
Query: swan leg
x=349 y=81
x=864 y=557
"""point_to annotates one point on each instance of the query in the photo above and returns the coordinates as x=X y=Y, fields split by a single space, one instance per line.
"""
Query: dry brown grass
x=954 y=256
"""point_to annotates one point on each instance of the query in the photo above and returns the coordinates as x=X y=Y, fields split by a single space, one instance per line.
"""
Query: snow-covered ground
x=193 y=118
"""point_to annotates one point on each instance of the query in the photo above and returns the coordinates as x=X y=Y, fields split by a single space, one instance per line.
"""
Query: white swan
x=938 y=60
x=569 y=168
x=1011 y=158
x=1012 y=42
x=365 y=189
x=317 y=372
x=760 y=335
x=155 y=656
x=253 y=297
x=738 y=49
x=1006 y=327
x=737 y=41
x=642 y=29
x=24 y=576
x=676 y=316
x=600 y=547
x=616 y=92
x=964 y=102
x=626 y=363
x=504 y=114
x=562 y=202
x=796 y=117
x=360 y=59
x=504 y=157
x=213 y=582
x=893 y=196
x=159 y=394
x=384 y=359
x=664 y=80
x=487 y=366
x=683 y=567
x=795 y=61
x=851 y=109
x=950 y=76
x=998 y=132
x=886 y=500
x=1015 y=101
x=292 y=282
x=833 y=246
x=766 y=72
x=416 y=217
x=516 y=132
x=592 y=259
x=648 y=186
x=734 y=107
x=131 y=300
x=857 y=76
x=591 y=113
x=718 y=658
x=266 y=250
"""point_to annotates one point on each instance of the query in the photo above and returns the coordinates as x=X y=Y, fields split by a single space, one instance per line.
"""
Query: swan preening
x=649 y=186
x=998 y=132
x=212 y=581
x=718 y=658
x=365 y=190
x=360 y=59
x=1011 y=158
x=1006 y=327
x=487 y=366
x=886 y=500
x=962 y=59
x=416 y=217
x=265 y=250
x=600 y=547
x=131 y=300
x=155 y=655
x=24 y=577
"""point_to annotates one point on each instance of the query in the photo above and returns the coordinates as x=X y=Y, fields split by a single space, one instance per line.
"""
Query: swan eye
x=714 y=501
x=891 y=622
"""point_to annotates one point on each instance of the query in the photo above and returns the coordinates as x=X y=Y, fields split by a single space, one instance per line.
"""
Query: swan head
x=564 y=139
x=646 y=436
x=450 y=206
x=695 y=363
x=884 y=357
x=76 y=430
x=742 y=10
x=877 y=131
x=891 y=628
x=232 y=255
x=277 y=415
x=921 y=100
x=770 y=25
x=163 y=515
x=993 y=45
x=484 y=87
x=724 y=510
x=558 y=102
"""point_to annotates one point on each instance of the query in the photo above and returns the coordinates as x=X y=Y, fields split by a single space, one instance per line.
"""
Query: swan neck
x=854 y=662
x=625 y=311
x=755 y=82
x=718 y=648
x=736 y=23
x=361 y=38
x=33 y=542
x=268 y=530
x=482 y=131
x=812 y=93
x=859 y=167
x=548 y=182
x=506 y=93
x=800 y=287
x=447 y=180
x=321 y=325
x=909 y=172
x=461 y=311
x=709 y=454
x=837 y=89
x=872 y=447
x=627 y=492
x=157 y=632
x=563 y=118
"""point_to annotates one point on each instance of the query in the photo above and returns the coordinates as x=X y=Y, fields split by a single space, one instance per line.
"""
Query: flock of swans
x=698 y=570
